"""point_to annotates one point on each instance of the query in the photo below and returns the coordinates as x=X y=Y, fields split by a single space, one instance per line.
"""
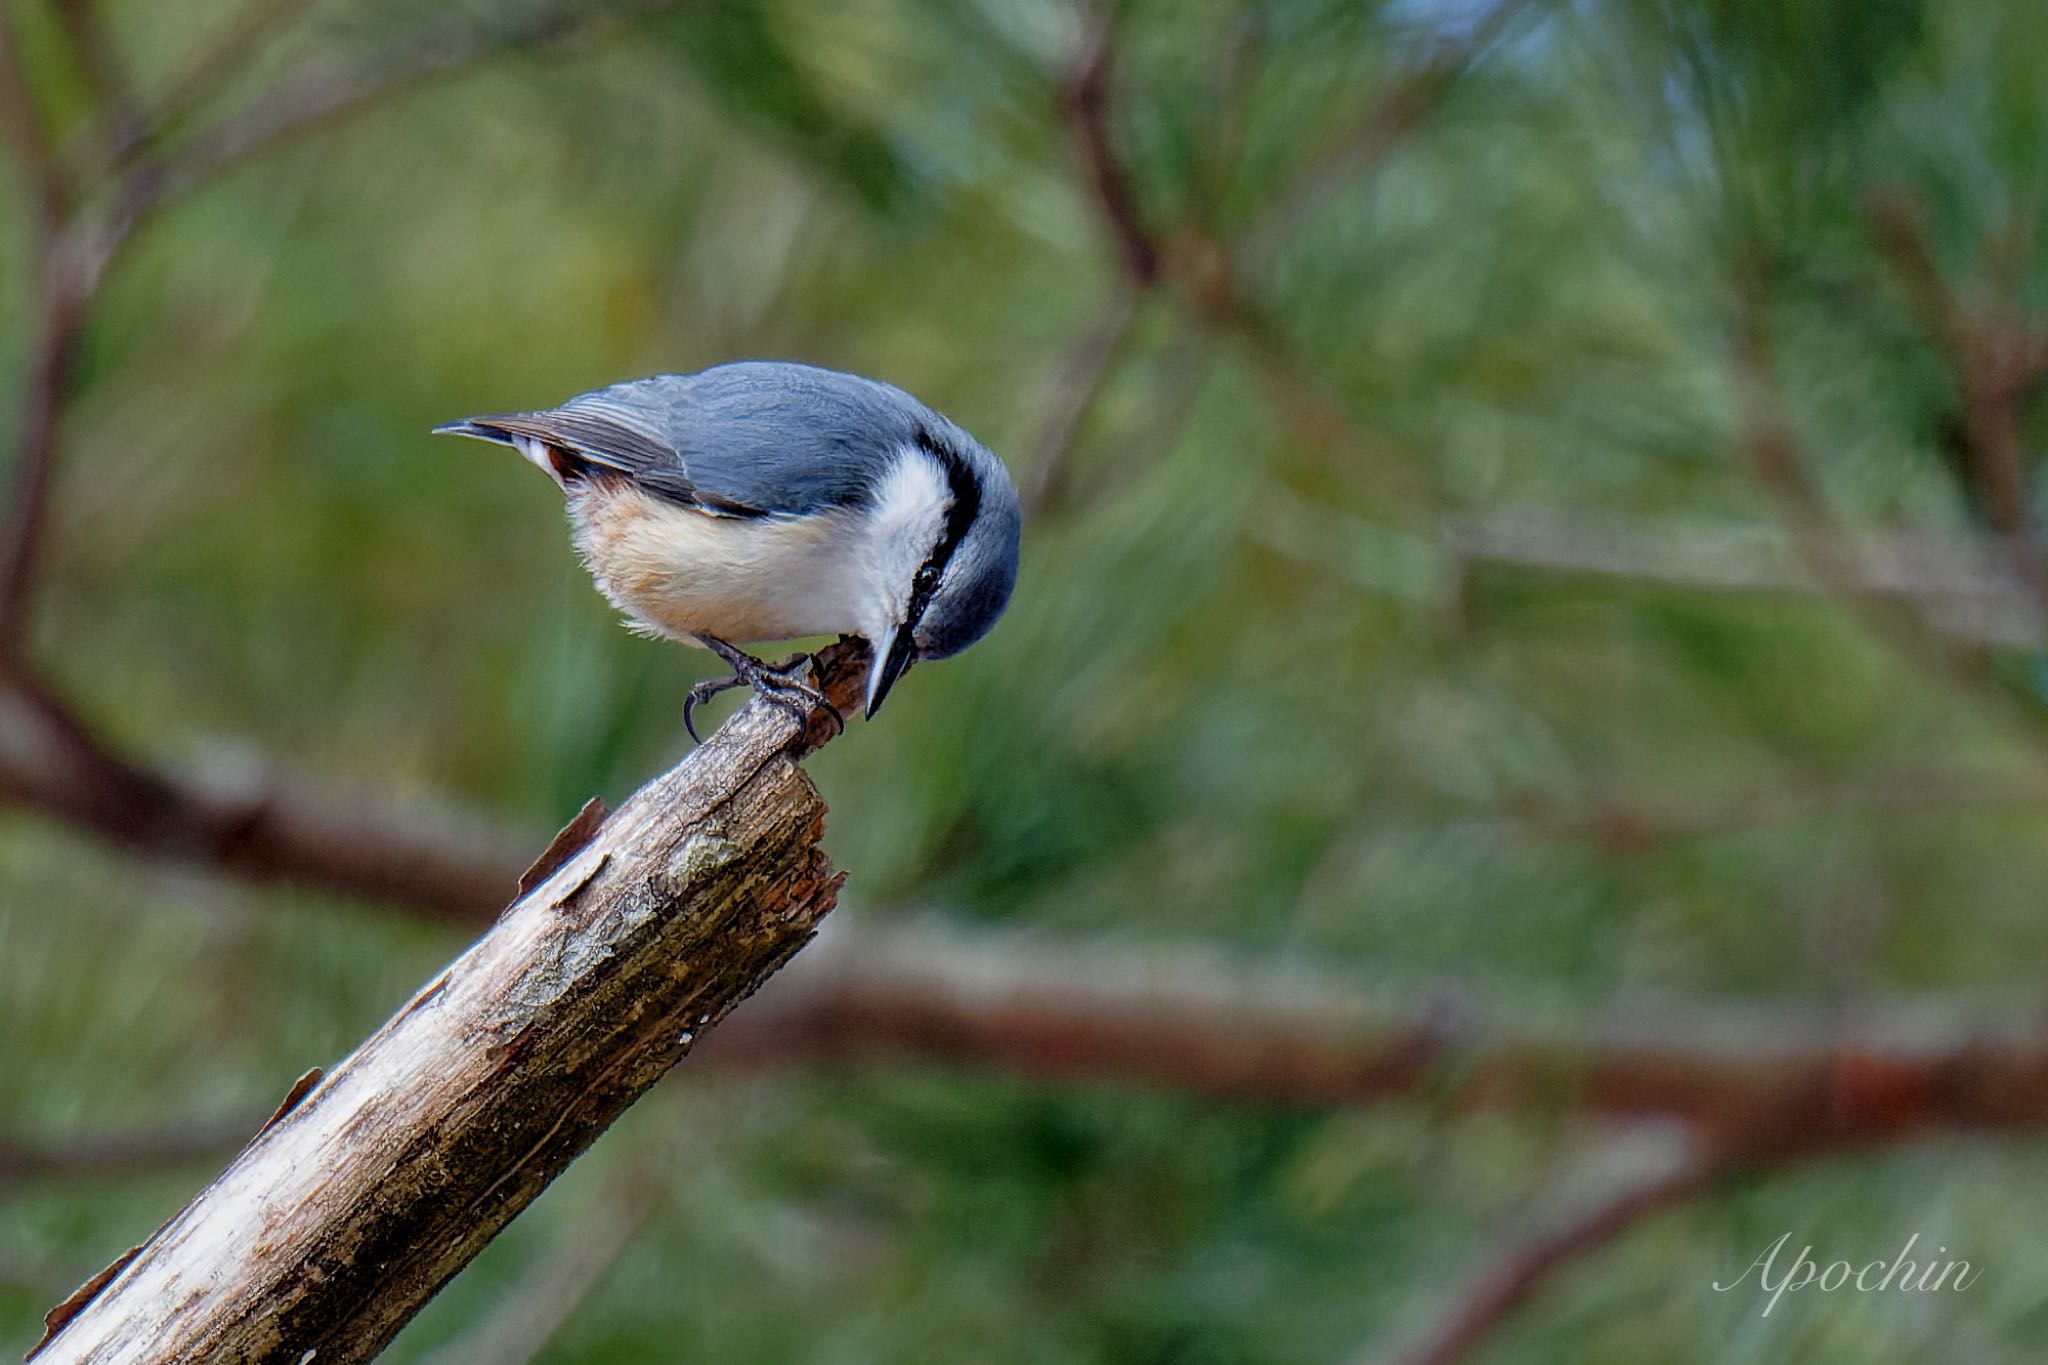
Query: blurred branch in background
x=107 y=1156
x=245 y=821
x=104 y=68
x=1299 y=1038
x=328 y=89
x=1780 y=465
x=1622 y=823
x=215 y=63
x=29 y=139
x=1077 y=380
x=67 y=284
x=1761 y=1083
x=1997 y=359
x=1210 y=278
x=1964 y=588
x=1085 y=100
x=59 y=321
x=1529 y=1259
x=532 y=1311
x=1407 y=99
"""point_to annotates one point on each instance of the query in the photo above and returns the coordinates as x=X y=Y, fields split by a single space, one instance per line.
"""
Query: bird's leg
x=782 y=687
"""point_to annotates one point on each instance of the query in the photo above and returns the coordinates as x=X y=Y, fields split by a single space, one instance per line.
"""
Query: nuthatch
x=763 y=500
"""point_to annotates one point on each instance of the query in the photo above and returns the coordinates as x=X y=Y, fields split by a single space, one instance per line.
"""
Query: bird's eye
x=927 y=579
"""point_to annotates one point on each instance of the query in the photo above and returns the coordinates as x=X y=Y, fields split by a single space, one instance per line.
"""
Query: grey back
x=772 y=437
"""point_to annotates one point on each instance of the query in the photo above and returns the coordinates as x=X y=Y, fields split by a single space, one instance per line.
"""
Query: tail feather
x=561 y=465
x=479 y=427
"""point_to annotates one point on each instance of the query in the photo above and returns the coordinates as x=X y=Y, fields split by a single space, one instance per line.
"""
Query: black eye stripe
x=964 y=488
x=964 y=491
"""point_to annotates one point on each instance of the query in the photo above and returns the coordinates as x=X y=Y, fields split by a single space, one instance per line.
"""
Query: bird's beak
x=892 y=656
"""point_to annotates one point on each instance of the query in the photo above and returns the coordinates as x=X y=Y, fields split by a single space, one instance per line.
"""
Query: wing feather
x=620 y=446
x=745 y=439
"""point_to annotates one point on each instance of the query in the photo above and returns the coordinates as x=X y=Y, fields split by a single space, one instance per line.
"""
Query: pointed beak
x=892 y=656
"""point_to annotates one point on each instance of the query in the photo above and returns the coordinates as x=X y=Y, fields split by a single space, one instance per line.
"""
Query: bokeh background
x=1533 y=523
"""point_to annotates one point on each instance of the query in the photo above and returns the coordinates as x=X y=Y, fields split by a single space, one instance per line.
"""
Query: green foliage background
x=1244 y=699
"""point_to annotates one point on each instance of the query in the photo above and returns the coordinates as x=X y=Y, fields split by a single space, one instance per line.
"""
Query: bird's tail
x=561 y=465
x=479 y=427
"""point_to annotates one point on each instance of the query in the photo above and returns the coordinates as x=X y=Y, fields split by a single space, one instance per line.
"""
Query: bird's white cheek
x=881 y=610
x=895 y=537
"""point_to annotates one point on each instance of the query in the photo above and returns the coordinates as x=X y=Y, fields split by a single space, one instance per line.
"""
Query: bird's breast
x=680 y=572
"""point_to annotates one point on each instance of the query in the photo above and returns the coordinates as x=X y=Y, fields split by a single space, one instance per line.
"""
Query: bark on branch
x=352 y=1207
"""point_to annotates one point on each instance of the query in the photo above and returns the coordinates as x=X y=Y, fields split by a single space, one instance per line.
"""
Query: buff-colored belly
x=682 y=573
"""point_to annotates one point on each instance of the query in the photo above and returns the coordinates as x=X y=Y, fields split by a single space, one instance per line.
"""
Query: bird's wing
x=793 y=439
x=616 y=443
x=749 y=438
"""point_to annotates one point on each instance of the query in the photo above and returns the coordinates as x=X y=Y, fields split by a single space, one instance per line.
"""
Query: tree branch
x=554 y=1290
x=1292 y=1038
x=1991 y=358
x=62 y=296
x=105 y=71
x=1077 y=380
x=28 y=137
x=238 y=42
x=1529 y=1261
x=252 y=825
x=69 y=279
x=348 y=1211
x=1084 y=101
x=1961 y=587
x=107 y=1156
x=1779 y=466
x=322 y=92
x=1408 y=99
x=1622 y=824
x=1770 y=1084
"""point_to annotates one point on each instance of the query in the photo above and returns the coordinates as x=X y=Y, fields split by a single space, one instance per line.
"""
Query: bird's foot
x=785 y=687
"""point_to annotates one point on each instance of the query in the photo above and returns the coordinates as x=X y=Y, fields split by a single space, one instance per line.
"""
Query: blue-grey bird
x=765 y=500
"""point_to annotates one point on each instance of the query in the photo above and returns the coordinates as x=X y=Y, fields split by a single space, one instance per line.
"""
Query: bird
x=763 y=500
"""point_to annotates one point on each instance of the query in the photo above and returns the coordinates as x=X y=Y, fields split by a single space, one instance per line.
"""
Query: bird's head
x=963 y=519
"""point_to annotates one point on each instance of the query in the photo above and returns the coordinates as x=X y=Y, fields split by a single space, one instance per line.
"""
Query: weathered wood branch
x=352 y=1207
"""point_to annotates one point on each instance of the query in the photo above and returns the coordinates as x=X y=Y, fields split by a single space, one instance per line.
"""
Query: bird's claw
x=783 y=687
